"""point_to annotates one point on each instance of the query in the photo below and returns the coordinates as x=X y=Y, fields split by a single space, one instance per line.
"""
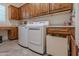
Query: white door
x=36 y=40
x=57 y=46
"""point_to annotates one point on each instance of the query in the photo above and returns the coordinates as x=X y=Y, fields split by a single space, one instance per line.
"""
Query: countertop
x=6 y=27
x=25 y=25
x=59 y=26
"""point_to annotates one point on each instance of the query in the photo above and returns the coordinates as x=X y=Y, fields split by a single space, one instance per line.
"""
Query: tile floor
x=11 y=48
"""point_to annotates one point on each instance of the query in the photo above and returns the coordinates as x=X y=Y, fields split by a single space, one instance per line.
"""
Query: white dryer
x=37 y=35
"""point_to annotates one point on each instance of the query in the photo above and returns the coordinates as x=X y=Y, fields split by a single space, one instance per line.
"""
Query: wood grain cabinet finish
x=13 y=33
x=13 y=13
x=34 y=9
x=59 y=7
x=27 y=11
x=44 y=8
x=54 y=6
x=23 y=12
x=37 y=9
x=30 y=10
x=66 y=6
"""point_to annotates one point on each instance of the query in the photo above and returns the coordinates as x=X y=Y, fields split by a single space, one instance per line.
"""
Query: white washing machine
x=23 y=36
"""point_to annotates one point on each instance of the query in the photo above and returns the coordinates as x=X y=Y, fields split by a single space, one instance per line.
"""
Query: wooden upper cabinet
x=13 y=13
x=31 y=9
x=23 y=12
x=44 y=8
x=28 y=10
x=34 y=9
x=37 y=9
x=57 y=7
x=66 y=6
x=54 y=7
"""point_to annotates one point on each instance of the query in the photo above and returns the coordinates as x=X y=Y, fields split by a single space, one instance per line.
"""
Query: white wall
x=4 y=33
x=54 y=19
x=59 y=19
x=8 y=22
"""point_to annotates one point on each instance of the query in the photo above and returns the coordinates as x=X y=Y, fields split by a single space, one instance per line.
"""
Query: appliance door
x=23 y=36
x=36 y=40
x=57 y=46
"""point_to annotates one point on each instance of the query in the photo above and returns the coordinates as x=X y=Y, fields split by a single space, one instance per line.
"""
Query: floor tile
x=11 y=48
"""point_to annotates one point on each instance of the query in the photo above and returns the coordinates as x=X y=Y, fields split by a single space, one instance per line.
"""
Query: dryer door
x=36 y=40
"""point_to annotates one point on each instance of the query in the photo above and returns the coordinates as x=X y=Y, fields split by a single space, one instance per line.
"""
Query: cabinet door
x=28 y=11
x=54 y=6
x=57 y=46
x=66 y=6
x=44 y=8
x=13 y=13
x=23 y=11
x=37 y=9
x=58 y=7
x=13 y=34
x=32 y=9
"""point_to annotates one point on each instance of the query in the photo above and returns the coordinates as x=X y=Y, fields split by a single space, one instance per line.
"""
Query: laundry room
x=38 y=29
